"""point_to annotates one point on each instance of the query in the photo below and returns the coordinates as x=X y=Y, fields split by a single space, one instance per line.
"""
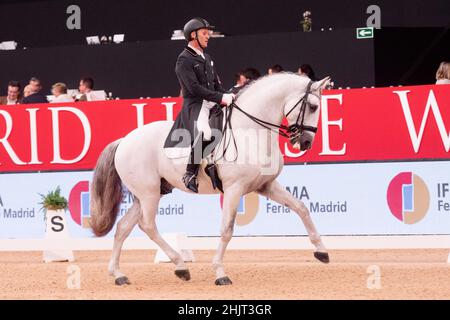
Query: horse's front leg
x=230 y=203
x=278 y=193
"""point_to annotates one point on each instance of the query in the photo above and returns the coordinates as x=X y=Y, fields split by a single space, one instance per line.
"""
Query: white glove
x=203 y=119
x=227 y=99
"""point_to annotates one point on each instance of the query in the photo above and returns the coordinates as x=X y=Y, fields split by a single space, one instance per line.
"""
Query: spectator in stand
x=36 y=95
x=86 y=86
x=13 y=96
x=59 y=90
x=35 y=84
x=307 y=71
x=240 y=81
x=27 y=90
x=275 y=69
x=443 y=73
x=245 y=77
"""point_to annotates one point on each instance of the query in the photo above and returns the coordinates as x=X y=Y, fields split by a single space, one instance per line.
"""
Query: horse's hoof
x=121 y=281
x=322 y=256
x=183 y=274
x=224 y=281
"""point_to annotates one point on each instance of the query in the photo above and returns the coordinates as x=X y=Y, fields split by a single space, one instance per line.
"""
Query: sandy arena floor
x=286 y=274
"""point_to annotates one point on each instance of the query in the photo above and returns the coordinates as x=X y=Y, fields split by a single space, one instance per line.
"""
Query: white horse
x=139 y=162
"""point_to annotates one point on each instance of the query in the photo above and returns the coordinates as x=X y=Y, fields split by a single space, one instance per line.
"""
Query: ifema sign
x=395 y=198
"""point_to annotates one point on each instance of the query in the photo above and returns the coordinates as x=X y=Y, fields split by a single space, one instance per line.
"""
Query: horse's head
x=302 y=112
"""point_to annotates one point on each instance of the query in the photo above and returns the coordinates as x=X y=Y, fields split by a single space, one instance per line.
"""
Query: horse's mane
x=264 y=78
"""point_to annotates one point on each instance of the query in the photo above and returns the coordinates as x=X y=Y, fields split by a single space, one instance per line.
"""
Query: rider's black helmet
x=194 y=25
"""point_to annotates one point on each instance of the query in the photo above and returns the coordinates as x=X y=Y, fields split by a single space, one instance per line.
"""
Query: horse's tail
x=106 y=192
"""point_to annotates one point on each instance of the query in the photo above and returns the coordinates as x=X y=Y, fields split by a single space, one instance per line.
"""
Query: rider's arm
x=186 y=74
x=217 y=83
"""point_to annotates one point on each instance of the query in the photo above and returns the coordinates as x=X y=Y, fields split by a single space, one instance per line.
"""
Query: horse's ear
x=320 y=84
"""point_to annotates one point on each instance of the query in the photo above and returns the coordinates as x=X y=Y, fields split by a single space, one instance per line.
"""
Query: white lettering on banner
x=291 y=154
x=139 y=113
x=416 y=138
x=169 y=110
x=33 y=136
x=4 y=140
x=56 y=144
x=326 y=149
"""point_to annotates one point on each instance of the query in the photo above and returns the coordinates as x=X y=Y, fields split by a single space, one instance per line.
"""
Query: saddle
x=216 y=118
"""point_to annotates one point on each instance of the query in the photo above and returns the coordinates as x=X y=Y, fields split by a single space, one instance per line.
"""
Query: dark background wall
x=407 y=50
x=43 y=23
x=131 y=70
x=410 y=55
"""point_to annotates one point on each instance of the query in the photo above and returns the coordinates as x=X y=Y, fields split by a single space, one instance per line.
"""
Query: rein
x=285 y=131
x=291 y=132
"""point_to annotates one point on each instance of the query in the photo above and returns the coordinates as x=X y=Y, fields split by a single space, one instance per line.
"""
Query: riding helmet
x=194 y=25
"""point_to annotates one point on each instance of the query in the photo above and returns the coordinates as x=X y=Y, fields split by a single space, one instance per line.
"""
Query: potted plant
x=55 y=205
x=53 y=201
x=307 y=21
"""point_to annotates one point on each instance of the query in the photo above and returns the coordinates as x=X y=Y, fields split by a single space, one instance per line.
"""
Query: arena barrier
x=378 y=175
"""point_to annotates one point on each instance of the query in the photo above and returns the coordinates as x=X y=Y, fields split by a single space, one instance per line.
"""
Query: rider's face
x=203 y=37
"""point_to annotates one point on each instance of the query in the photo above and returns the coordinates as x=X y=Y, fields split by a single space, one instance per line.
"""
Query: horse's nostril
x=307 y=144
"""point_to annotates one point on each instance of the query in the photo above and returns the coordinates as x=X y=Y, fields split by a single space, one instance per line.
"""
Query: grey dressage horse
x=251 y=165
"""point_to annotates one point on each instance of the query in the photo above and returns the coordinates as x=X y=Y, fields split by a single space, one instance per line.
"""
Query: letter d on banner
x=56 y=229
x=56 y=144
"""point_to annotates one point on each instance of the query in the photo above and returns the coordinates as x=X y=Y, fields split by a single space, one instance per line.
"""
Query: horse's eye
x=313 y=107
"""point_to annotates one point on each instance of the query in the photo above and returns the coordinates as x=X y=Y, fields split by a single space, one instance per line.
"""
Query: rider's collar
x=195 y=51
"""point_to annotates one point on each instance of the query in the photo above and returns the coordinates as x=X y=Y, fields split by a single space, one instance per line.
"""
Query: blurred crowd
x=33 y=93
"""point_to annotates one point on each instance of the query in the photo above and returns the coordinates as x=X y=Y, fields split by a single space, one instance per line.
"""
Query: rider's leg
x=193 y=166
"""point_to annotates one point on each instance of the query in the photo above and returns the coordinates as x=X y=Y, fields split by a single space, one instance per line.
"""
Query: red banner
x=383 y=124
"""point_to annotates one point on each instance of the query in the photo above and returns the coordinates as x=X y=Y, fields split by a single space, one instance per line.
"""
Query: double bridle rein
x=292 y=132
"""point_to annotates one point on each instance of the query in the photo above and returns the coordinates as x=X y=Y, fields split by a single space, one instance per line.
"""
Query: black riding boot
x=190 y=177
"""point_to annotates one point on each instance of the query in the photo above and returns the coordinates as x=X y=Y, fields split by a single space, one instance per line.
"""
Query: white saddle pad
x=177 y=153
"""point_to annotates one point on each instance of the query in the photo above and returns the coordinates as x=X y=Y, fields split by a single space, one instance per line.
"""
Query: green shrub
x=53 y=200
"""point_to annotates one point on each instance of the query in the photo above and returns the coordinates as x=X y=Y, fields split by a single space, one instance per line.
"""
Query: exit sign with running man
x=364 y=33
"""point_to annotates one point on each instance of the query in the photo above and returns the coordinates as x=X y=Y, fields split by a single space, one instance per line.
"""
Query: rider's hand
x=227 y=99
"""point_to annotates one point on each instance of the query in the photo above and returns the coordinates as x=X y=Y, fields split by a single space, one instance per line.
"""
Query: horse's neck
x=264 y=104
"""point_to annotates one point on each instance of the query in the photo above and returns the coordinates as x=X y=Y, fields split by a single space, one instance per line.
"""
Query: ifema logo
x=79 y=200
x=408 y=197
x=247 y=209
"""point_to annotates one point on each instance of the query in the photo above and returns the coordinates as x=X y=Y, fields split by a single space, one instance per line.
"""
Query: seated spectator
x=86 y=86
x=275 y=69
x=245 y=77
x=307 y=71
x=59 y=90
x=240 y=81
x=27 y=90
x=35 y=84
x=36 y=95
x=443 y=73
x=13 y=96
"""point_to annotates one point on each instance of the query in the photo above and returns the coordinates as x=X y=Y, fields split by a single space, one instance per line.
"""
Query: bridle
x=292 y=132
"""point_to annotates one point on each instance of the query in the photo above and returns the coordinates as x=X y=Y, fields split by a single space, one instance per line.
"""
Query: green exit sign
x=364 y=33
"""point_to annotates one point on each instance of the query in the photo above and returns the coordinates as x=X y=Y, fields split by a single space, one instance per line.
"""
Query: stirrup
x=190 y=181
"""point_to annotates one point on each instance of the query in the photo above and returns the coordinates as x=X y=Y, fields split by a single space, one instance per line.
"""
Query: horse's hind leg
x=148 y=225
x=123 y=230
x=278 y=193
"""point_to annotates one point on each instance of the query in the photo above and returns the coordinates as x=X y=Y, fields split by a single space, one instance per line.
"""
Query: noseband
x=292 y=132
x=296 y=130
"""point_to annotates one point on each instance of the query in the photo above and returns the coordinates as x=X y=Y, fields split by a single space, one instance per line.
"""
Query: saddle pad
x=177 y=153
